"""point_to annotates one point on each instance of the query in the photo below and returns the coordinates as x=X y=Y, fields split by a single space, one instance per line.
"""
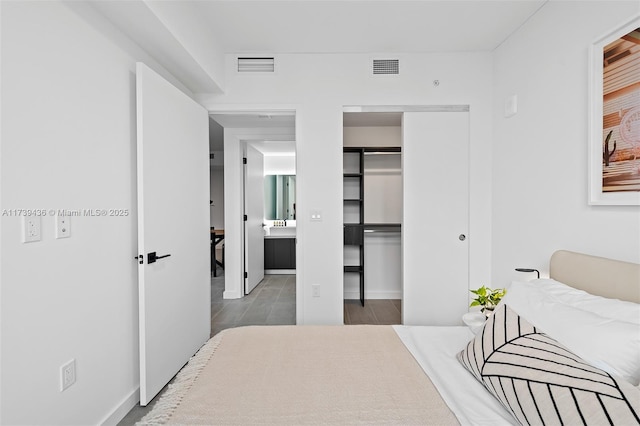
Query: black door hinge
x=244 y=160
x=246 y=275
x=245 y=218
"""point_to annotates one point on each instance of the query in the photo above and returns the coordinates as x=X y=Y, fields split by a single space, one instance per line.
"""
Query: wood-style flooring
x=273 y=302
x=375 y=311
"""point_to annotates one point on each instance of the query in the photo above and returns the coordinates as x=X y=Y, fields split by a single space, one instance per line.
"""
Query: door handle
x=462 y=237
x=152 y=257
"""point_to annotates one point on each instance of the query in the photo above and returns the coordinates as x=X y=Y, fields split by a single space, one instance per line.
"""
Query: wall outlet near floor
x=315 y=290
x=67 y=374
x=31 y=229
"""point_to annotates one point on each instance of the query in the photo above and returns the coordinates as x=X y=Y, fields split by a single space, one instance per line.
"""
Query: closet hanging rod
x=381 y=153
x=373 y=231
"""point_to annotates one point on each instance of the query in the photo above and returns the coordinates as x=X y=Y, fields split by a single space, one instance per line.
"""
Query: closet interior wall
x=382 y=204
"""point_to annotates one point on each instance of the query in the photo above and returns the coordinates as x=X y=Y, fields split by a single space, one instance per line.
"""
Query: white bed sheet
x=435 y=349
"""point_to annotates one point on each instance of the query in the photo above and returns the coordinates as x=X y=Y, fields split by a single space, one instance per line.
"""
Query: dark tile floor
x=273 y=302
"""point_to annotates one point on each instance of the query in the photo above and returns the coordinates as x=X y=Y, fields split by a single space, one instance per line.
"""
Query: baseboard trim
x=351 y=295
x=279 y=271
x=122 y=409
x=231 y=295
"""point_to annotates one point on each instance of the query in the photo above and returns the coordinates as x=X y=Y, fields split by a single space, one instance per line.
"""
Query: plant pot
x=488 y=311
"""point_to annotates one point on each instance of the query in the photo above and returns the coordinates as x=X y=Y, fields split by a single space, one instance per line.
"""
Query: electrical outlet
x=67 y=374
x=63 y=226
x=315 y=290
x=31 y=229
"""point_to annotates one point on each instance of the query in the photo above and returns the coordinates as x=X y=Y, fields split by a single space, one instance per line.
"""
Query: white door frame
x=421 y=108
x=233 y=198
x=233 y=181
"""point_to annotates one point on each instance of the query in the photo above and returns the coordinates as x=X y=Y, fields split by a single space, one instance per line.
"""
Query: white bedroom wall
x=318 y=87
x=68 y=142
x=373 y=136
x=540 y=194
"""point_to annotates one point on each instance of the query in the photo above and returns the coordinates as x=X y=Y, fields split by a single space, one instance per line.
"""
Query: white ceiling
x=358 y=26
x=255 y=120
x=352 y=26
x=275 y=147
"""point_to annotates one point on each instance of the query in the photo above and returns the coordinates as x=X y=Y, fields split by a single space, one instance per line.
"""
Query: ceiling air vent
x=386 y=66
x=256 y=65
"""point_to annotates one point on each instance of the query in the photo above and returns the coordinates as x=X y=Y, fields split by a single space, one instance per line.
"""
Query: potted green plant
x=487 y=298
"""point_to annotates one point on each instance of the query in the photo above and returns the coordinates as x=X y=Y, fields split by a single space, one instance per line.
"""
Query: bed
x=550 y=354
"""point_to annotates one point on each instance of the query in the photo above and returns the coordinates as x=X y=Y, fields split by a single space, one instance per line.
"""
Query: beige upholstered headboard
x=597 y=275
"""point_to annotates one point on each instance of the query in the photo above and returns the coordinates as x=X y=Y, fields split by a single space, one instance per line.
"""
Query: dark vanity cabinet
x=279 y=253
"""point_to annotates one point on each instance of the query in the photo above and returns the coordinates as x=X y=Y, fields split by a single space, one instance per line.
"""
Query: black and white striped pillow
x=540 y=381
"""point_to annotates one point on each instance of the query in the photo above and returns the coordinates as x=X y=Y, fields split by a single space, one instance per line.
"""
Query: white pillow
x=609 y=308
x=607 y=343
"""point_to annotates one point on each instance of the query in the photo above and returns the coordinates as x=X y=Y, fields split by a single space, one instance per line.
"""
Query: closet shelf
x=353 y=269
x=381 y=228
x=353 y=175
x=381 y=150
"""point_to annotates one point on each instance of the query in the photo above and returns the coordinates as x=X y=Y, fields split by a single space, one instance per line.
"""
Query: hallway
x=272 y=302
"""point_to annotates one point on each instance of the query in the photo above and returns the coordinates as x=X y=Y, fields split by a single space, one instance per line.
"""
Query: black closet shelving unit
x=354 y=231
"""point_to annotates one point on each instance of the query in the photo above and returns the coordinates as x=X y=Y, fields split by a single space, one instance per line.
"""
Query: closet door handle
x=462 y=237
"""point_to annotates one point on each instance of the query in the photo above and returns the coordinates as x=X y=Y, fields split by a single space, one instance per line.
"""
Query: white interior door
x=173 y=223
x=435 y=246
x=254 y=209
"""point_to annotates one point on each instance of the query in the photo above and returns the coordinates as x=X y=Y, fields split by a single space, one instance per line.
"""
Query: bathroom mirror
x=280 y=197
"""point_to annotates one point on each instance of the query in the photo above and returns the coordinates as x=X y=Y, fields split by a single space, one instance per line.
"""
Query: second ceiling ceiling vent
x=256 y=64
x=386 y=66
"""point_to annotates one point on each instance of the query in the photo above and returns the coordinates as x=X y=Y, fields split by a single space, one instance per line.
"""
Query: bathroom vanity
x=280 y=250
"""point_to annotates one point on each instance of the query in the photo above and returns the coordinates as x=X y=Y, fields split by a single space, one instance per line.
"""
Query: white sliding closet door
x=435 y=245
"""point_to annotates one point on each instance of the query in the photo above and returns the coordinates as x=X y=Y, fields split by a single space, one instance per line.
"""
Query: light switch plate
x=316 y=216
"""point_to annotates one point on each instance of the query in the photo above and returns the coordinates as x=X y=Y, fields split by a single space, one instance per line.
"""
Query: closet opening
x=372 y=217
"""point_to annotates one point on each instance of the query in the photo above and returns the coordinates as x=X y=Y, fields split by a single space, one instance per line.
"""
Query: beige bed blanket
x=303 y=375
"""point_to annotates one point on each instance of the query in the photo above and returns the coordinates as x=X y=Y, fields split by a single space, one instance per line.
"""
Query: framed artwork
x=614 y=156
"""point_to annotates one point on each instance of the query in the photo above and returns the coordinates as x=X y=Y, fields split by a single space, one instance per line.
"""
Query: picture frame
x=614 y=117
